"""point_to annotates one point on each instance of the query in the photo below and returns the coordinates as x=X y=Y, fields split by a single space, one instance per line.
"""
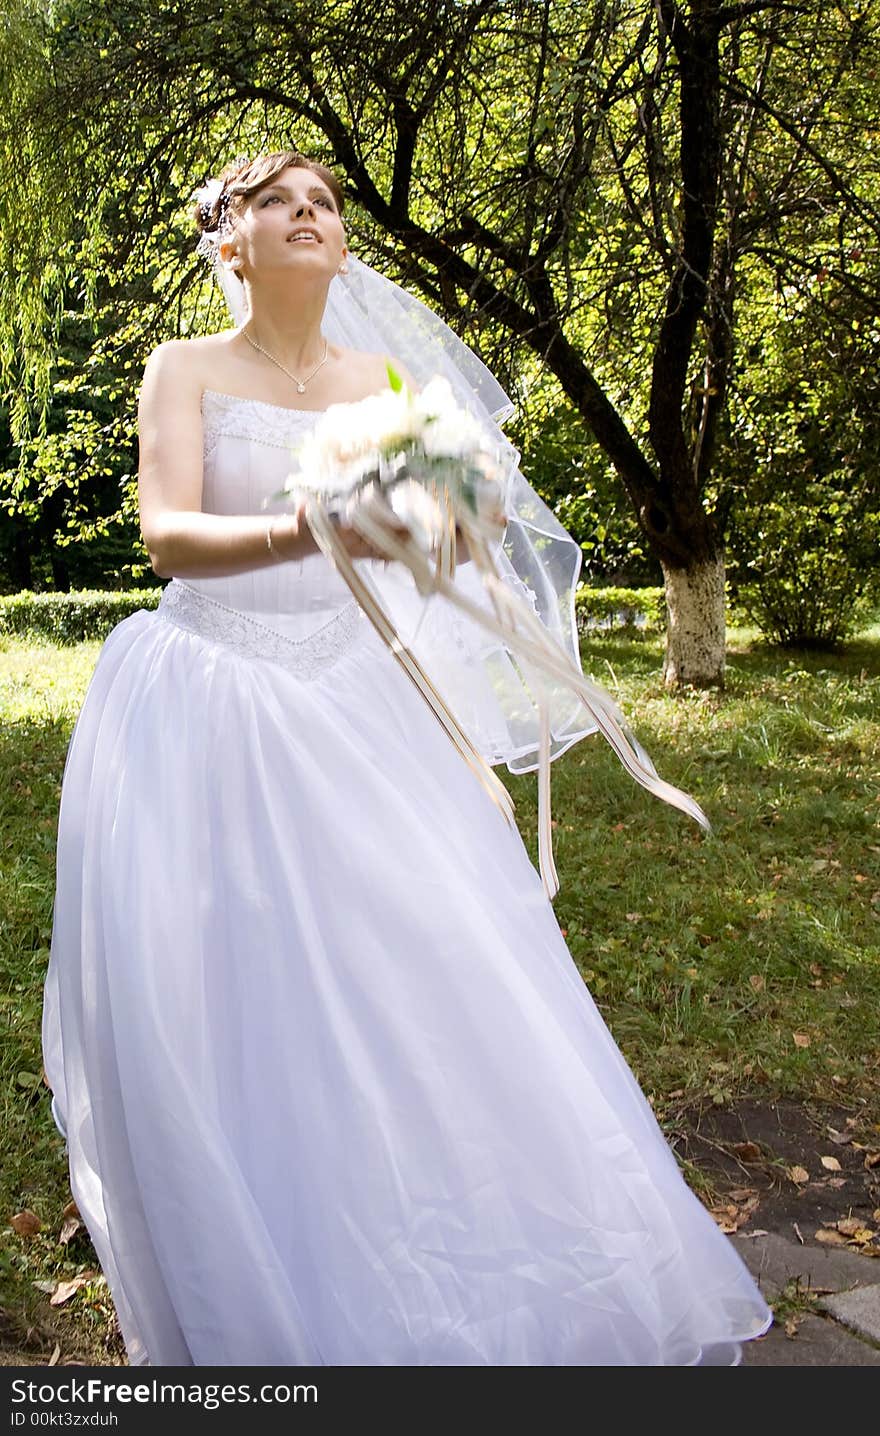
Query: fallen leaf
x=26 y=1223
x=748 y=1151
x=53 y=1359
x=834 y=1182
x=740 y=1194
x=830 y=1164
x=756 y=982
x=849 y=1226
x=799 y=1175
x=66 y=1289
x=872 y=1160
x=831 y=1239
x=71 y=1209
x=69 y=1229
x=800 y=1039
x=840 y=1139
x=729 y=1218
x=758 y=1232
x=791 y=1326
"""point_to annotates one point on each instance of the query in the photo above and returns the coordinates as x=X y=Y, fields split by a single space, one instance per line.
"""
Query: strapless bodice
x=249 y=449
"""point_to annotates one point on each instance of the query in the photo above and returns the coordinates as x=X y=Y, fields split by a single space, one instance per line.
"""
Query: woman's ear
x=228 y=255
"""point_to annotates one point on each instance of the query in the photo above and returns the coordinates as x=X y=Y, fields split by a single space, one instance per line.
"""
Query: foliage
x=71 y=617
x=803 y=458
x=573 y=476
x=77 y=616
x=811 y=588
x=612 y=610
x=68 y=494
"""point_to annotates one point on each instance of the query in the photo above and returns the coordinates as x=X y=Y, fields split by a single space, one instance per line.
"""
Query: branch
x=730 y=14
x=865 y=211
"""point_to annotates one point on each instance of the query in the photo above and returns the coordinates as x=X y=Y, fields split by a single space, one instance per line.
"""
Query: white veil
x=493 y=693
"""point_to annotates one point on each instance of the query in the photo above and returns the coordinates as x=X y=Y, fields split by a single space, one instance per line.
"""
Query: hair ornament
x=212 y=200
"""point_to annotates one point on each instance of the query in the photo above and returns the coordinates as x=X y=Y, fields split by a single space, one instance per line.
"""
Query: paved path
x=845 y=1331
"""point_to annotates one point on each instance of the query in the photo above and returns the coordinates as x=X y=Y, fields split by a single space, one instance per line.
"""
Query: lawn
x=742 y=963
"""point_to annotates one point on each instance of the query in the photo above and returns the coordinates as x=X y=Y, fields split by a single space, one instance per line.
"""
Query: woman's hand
x=354 y=543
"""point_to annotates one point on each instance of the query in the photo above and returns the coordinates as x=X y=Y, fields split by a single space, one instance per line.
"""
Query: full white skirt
x=333 y=1089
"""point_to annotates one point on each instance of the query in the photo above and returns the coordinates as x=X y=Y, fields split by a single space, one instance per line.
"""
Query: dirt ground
x=809 y=1171
x=795 y=1168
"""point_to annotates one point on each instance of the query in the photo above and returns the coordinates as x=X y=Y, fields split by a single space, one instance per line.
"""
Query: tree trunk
x=695 y=635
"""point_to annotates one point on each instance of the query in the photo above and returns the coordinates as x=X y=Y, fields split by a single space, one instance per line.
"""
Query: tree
x=587 y=182
x=67 y=492
x=802 y=459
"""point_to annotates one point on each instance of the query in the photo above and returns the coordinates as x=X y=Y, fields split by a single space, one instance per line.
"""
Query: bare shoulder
x=183 y=365
x=371 y=370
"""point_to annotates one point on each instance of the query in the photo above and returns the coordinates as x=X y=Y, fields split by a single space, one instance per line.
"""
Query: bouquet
x=411 y=472
x=404 y=460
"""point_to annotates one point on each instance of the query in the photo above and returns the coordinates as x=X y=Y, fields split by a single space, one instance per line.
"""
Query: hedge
x=71 y=617
x=629 y=610
x=91 y=614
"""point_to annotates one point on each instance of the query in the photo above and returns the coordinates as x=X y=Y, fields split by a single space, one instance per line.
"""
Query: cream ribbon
x=513 y=622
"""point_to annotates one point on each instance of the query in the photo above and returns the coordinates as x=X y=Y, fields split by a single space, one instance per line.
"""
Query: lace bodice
x=249 y=447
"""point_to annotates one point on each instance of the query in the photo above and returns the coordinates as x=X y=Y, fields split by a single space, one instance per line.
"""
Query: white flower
x=447 y=430
x=349 y=440
x=207 y=196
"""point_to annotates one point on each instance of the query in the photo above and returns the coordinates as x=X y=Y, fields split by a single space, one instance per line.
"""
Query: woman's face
x=291 y=225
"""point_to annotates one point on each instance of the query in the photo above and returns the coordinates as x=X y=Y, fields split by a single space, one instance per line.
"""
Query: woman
x=333 y=1089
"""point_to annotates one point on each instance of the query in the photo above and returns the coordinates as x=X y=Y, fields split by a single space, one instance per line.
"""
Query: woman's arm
x=180 y=539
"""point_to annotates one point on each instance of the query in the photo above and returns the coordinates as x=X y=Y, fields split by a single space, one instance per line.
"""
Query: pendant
x=300 y=388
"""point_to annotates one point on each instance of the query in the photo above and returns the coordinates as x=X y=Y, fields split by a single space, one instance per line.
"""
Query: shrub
x=90 y=614
x=811 y=579
x=71 y=617
x=629 y=610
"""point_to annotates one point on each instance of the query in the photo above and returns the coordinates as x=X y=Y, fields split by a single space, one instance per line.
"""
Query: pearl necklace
x=300 y=383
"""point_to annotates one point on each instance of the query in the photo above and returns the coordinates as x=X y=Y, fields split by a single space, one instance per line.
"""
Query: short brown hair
x=244 y=177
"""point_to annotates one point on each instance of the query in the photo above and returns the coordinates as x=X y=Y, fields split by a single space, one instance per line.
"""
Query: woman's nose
x=305 y=208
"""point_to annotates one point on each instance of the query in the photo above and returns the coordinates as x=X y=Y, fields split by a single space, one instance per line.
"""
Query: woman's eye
x=276 y=199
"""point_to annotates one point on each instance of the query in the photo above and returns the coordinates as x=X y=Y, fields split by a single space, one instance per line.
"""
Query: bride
x=333 y=1090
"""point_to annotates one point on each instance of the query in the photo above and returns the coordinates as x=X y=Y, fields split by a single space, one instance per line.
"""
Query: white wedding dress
x=333 y=1089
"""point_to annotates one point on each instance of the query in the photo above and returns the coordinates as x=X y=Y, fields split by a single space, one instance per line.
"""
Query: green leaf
x=394 y=378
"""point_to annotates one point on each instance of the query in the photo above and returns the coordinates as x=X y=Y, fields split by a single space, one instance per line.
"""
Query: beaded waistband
x=187 y=608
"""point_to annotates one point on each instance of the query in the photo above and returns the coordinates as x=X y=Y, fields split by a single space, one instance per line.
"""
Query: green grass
x=706 y=954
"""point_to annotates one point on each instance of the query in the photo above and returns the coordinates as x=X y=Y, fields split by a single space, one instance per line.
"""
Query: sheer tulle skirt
x=333 y=1088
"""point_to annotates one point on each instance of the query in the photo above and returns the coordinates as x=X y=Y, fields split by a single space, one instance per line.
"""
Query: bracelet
x=273 y=551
